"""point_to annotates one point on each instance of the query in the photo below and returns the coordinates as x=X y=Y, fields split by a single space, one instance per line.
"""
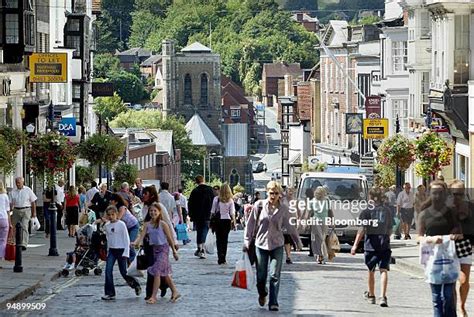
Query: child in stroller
x=90 y=244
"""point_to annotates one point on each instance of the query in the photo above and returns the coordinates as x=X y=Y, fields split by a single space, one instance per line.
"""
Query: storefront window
x=461 y=49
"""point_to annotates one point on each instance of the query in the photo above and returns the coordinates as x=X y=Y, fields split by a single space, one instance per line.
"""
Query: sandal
x=174 y=299
x=151 y=301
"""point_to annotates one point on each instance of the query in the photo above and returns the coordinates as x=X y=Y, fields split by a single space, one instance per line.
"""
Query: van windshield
x=338 y=188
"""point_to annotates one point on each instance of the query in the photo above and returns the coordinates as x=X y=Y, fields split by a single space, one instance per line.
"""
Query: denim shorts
x=380 y=258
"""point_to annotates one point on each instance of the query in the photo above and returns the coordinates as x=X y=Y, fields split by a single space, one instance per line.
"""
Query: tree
x=84 y=175
x=128 y=86
x=107 y=42
x=144 y=23
x=294 y=5
x=125 y=172
x=109 y=107
x=153 y=119
x=102 y=149
x=105 y=64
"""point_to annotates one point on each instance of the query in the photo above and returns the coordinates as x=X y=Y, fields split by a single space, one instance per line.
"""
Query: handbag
x=142 y=260
x=182 y=232
x=215 y=217
x=10 y=250
x=251 y=249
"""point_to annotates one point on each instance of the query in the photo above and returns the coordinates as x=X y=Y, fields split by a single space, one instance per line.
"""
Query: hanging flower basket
x=50 y=154
x=102 y=149
x=11 y=140
x=432 y=153
x=396 y=151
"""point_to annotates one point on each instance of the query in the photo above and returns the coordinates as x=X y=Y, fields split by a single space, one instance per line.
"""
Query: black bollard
x=18 y=237
x=53 y=250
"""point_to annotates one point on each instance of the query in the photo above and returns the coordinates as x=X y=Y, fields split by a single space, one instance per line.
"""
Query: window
x=204 y=90
x=76 y=91
x=399 y=56
x=235 y=113
x=400 y=108
x=12 y=31
x=461 y=49
x=12 y=4
x=188 y=99
x=74 y=41
x=29 y=29
x=425 y=91
x=76 y=109
x=73 y=25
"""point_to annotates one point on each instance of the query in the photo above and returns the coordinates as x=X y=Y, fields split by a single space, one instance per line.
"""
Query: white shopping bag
x=243 y=275
x=426 y=251
x=210 y=245
x=35 y=224
x=132 y=270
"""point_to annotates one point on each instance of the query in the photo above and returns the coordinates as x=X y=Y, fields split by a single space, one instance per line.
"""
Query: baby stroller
x=85 y=257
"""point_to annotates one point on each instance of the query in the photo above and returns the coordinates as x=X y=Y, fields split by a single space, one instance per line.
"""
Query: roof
x=236 y=140
x=153 y=59
x=226 y=80
x=235 y=93
x=196 y=47
x=336 y=33
x=163 y=140
x=306 y=18
x=199 y=132
x=133 y=51
x=158 y=98
x=280 y=69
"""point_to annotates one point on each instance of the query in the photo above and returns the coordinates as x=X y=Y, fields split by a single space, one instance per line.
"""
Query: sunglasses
x=458 y=194
x=273 y=193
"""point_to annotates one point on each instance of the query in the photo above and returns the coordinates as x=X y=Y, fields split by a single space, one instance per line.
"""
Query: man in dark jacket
x=200 y=205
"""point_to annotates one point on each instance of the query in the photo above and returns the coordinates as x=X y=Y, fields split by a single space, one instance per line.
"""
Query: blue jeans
x=202 y=227
x=444 y=303
x=275 y=257
x=133 y=233
x=112 y=256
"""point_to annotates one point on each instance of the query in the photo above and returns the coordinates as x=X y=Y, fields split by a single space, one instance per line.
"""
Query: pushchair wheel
x=65 y=273
x=85 y=271
x=78 y=272
x=97 y=271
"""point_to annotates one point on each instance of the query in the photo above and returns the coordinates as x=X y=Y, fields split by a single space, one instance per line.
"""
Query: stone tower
x=192 y=83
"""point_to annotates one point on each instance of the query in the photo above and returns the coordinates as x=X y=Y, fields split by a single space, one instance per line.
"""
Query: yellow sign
x=375 y=128
x=48 y=68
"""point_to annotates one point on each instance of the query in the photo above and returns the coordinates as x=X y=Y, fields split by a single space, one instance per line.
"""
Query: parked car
x=150 y=182
x=258 y=167
x=137 y=106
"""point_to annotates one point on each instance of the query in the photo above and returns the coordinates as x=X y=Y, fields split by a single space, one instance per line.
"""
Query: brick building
x=273 y=80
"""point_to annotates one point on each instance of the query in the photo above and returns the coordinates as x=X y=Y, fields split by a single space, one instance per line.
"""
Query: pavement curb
x=409 y=266
x=21 y=295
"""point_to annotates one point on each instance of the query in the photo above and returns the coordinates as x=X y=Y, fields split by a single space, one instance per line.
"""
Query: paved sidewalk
x=38 y=267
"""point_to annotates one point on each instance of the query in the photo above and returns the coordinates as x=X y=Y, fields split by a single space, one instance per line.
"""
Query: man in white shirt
x=405 y=209
x=23 y=204
x=59 y=199
x=91 y=192
x=167 y=199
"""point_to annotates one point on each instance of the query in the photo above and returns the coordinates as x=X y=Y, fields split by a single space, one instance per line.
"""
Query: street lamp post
x=53 y=250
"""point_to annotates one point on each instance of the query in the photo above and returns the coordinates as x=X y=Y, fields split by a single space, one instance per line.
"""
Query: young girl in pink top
x=161 y=239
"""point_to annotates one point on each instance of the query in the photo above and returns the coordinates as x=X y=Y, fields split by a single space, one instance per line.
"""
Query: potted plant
x=102 y=149
x=433 y=153
x=50 y=154
x=11 y=140
x=396 y=151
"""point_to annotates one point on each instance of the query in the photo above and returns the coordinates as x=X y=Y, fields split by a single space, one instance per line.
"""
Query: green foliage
x=238 y=189
x=397 y=150
x=114 y=25
x=189 y=184
x=107 y=42
x=102 y=150
x=385 y=175
x=295 y=5
x=50 y=154
x=128 y=86
x=246 y=34
x=432 y=153
x=11 y=140
x=109 y=107
x=125 y=172
x=368 y=20
x=153 y=119
x=105 y=64
x=336 y=10
x=144 y=23
x=84 y=175
x=320 y=167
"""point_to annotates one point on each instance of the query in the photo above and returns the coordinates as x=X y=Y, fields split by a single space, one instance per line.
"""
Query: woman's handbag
x=463 y=248
x=251 y=252
x=10 y=250
x=142 y=260
x=182 y=232
x=215 y=217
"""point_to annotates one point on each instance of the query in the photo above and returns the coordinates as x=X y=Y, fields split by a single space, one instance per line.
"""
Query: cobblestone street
x=334 y=289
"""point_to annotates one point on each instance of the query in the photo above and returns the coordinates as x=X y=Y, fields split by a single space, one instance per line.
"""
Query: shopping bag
x=35 y=224
x=426 y=251
x=63 y=222
x=334 y=244
x=182 y=232
x=133 y=271
x=396 y=224
x=243 y=274
x=210 y=245
x=10 y=249
x=443 y=266
x=142 y=260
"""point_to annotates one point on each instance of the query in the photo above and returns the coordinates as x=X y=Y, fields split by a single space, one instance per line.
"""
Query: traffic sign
x=375 y=128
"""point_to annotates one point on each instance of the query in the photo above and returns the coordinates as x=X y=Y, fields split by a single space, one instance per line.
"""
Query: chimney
x=288 y=85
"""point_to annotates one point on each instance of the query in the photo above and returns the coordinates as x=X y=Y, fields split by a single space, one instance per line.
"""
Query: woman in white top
x=223 y=204
x=5 y=221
